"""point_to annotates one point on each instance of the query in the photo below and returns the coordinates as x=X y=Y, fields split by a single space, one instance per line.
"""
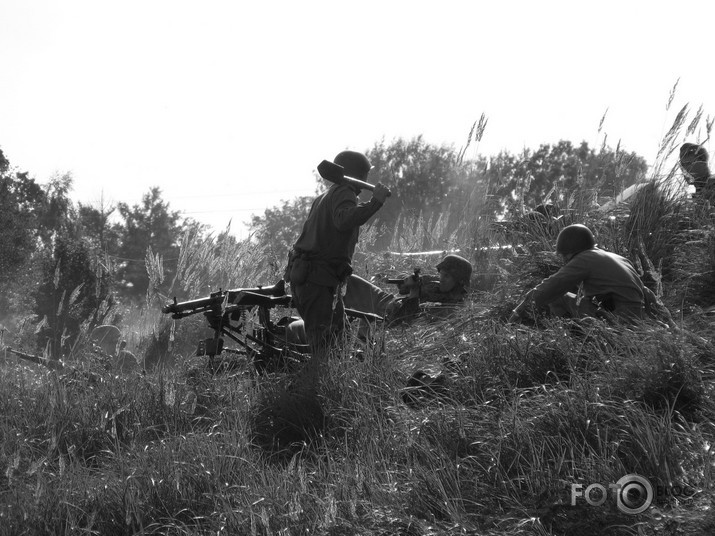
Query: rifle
x=416 y=275
x=48 y=363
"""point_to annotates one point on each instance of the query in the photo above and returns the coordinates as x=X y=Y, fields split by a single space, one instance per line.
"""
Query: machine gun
x=230 y=301
x=244 y=316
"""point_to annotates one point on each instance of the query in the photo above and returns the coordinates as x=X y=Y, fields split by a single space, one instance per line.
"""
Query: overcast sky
x=228 y=106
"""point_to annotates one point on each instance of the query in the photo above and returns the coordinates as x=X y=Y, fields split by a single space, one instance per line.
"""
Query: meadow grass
x=527 y=413
x=522 y=411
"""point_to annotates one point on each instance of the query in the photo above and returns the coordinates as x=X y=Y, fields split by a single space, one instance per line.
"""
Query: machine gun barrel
x=260 y=295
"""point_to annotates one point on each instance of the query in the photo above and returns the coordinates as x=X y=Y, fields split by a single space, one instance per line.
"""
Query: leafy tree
x=279 y=227
x=149 y=226
x=59 y=210
x=433 y=183
x=75 y=286
x=553 y=172
x=103 y=235
x=429 y=181
x=426 y=180
x=22 y=205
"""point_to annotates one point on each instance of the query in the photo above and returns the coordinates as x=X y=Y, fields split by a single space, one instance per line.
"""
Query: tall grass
x=519 y=415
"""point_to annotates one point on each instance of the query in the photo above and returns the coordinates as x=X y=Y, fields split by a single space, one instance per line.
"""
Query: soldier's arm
x=569 y=276
x=552 y=287
x=347 y=214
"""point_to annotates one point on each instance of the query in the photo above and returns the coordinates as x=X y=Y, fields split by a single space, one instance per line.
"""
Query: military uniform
x=321 y=261
x=608 y=283
x=363 y=296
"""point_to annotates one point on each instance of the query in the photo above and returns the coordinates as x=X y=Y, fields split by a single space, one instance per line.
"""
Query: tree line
x=66 y=265
x=431 y=182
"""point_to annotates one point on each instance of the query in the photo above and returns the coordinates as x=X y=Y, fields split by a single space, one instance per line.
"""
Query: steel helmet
x=355 y=164
x=574 y=239
x=458 y=267
x=694 y=160
x=693 y=152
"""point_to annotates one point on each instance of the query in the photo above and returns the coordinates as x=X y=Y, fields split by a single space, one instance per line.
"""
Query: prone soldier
x=449 y=287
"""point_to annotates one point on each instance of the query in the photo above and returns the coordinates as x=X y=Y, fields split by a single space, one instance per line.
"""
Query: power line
x=220 y=210
x=239 y=194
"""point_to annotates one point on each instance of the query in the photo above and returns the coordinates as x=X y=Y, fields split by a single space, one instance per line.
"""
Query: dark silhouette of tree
x=280 y=226
x=59 y=211
x=71 y=291
x=22 y=206
x=149 y=225
x=103 y=235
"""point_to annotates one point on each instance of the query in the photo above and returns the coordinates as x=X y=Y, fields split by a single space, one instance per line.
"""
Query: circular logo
x=634 y=494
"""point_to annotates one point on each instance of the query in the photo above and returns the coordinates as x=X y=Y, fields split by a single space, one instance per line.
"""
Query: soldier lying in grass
x=609 y=286
x=449 y=287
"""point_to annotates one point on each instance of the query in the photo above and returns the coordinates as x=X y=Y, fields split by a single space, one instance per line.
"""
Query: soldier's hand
x=381 y=193
x=412 y=285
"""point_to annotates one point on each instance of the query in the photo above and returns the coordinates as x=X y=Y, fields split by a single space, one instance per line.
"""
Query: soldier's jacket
x=602 y=275
x=361 y=295
x=364 y=296
x=330 y=234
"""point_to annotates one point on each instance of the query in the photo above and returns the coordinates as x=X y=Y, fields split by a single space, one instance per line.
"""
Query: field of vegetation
x=520 y=415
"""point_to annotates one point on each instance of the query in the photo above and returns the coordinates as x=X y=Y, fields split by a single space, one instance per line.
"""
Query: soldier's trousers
x=323 y=313
x=360 y=295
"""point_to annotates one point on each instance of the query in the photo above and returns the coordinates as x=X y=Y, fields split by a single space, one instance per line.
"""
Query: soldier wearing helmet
x=694 y=161
x=607 y=283
x=320 y=262
x=449 y=287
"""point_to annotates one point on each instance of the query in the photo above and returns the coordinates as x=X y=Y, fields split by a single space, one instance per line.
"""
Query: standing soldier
x=320 y=261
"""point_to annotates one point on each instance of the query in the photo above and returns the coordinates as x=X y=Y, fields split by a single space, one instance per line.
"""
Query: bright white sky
x=228 y=106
